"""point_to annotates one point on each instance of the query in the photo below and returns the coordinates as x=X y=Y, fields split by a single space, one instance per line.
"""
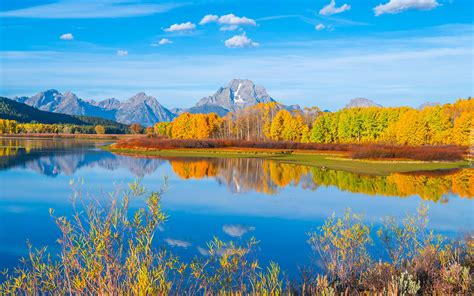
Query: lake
x=233 y=199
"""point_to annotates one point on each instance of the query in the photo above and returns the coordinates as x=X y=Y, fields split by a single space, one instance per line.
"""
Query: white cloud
x=210 y=18
x=67 y=9
x=320 y=27
x=332 y=9
x=122 y=53
x=165 y=41
x=237 y=230
x=67 y=36
x=397 y=6
x=232 y=19
x=229 y=28
x=181 y=27
x=313 y=67
x=240 y=41
x=177 y=243
x=228 y=22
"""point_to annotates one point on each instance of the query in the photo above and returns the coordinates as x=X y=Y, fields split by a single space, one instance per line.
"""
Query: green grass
x=329 y=161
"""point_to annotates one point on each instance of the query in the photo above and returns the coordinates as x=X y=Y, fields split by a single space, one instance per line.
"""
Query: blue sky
x=318 y=52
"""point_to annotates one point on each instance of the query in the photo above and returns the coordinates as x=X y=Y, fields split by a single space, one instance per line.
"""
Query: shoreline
x=69 y=136
x=323 y=159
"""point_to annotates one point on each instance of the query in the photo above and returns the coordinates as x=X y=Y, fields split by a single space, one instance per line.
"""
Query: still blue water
x=204 y=198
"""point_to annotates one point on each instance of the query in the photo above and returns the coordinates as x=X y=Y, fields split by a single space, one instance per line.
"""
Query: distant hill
x=428 y=104
x=361 y=103
x=23 y=113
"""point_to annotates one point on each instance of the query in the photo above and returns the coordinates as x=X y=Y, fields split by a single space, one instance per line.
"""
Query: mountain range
x=140 y=108
x=146 y=110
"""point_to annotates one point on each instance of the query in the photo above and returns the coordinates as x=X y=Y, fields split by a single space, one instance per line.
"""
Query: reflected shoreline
x=238 y=175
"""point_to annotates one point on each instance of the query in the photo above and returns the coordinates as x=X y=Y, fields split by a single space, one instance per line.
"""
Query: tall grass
x=361 y=151
x=424 y=153
x=165 y=143
x=107 y=249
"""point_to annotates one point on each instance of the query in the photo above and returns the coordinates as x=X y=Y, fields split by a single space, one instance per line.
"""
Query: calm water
x=233 y=199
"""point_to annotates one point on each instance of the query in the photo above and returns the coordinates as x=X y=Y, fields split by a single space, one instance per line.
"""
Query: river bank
x=336 y=160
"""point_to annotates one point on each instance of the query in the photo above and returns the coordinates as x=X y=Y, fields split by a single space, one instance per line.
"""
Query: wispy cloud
x=72 y=9
x=163 y=41
x=229 y=28
x=177 y=243
x=236 y=230
x=277 y=17
x=210 y=18
x=397 y=6
x=332 y=9
x=317 y=19
x=122 y=53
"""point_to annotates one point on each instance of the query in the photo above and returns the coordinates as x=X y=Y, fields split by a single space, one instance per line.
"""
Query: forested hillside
x=23 y=113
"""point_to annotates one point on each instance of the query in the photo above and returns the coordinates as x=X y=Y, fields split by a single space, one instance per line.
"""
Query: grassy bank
x=69 y=136
x=337 y=160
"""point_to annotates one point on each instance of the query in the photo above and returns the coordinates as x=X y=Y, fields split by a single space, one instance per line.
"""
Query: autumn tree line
x=13 y=127
x=433 y=125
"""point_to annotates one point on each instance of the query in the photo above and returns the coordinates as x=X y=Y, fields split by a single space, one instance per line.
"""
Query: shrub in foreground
x=107 y=248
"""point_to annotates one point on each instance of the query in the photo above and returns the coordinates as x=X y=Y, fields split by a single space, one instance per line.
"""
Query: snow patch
x=239 y=98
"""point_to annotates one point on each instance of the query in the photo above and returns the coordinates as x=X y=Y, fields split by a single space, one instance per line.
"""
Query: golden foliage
x=99 y=129
x=193 y=169
x=194 y=126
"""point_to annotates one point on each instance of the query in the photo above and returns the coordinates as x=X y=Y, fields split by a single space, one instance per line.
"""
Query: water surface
x=233 y=199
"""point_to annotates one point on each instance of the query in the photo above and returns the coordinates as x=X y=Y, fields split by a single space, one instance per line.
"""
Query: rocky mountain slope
x=361 y=103
x=141 y=109
x=237 y=95
x=67 y=103
x=146 y=110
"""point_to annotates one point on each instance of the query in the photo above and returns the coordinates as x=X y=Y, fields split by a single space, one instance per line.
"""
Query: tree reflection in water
x=242 y=175
x=239 y=175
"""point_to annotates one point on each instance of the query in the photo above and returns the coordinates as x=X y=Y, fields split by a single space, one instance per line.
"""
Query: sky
x=307 y=52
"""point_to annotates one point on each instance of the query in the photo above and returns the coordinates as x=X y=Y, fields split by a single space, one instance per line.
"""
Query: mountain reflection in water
x=242 y=175
x=52 y=158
